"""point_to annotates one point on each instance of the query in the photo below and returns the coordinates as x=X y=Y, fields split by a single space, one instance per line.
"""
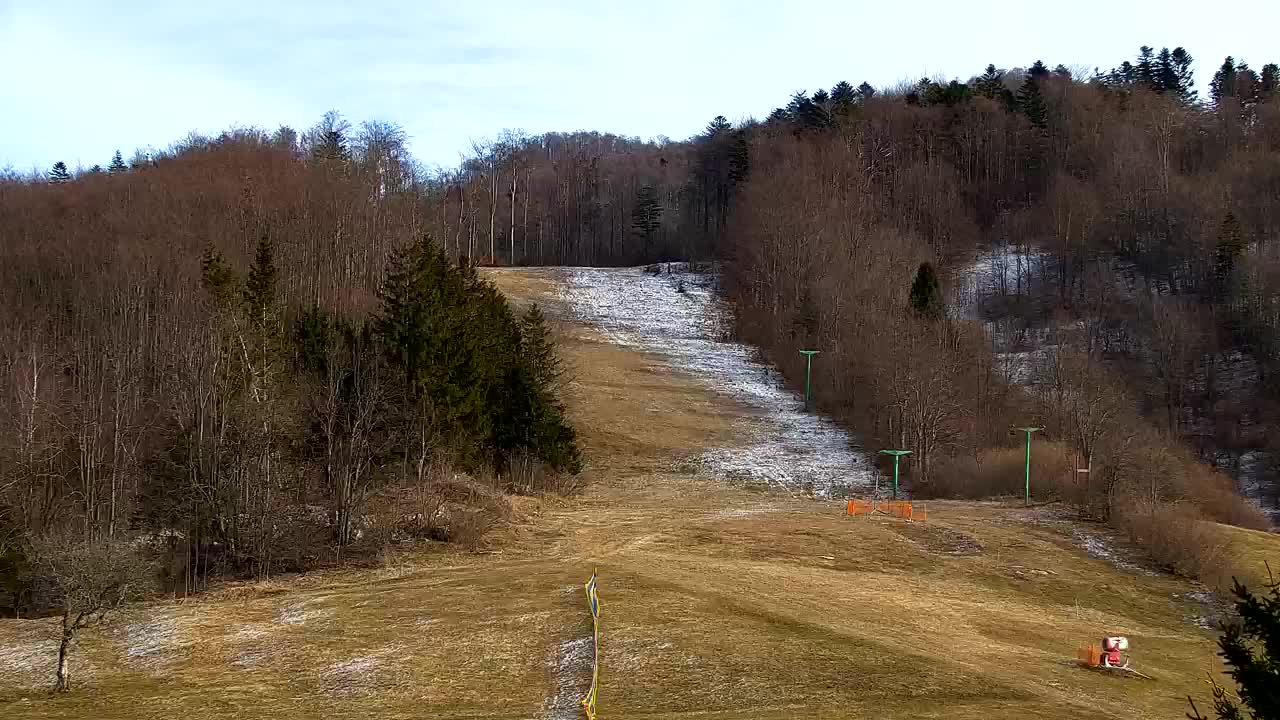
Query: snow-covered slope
x=676 y=315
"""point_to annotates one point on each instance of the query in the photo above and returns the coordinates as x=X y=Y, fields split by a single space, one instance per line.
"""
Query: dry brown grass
x=718 y=601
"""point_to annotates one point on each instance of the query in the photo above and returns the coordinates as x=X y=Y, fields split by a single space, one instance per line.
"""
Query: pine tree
x=1223 y=84
x=117 y=164
x=1038 y=70
x=1269 y=83
x=95 y=170
x=1031 y=102
x=1061 y=72
x=821 y=98
x=1250 y=648
x=646 y=216
x=843 y=96
x=59 y=174
x=535 y=420
x=990 y=83
x=1165 y=76
x=260 y=288
x=739 y=158
x=1229 y=247
x=1186 y=80
x=718 y=126
x=926 y=293
x=1145 y=71
x=865 y=92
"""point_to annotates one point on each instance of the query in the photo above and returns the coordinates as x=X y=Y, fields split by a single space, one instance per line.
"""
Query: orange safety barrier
x=859 y=507
x=896 y=508
x=1090 y=655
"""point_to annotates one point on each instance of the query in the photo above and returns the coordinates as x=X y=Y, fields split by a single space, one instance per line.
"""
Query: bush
x=1001 y=471
x=1177 y=537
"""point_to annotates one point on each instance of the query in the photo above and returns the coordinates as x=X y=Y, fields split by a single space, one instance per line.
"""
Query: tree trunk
x=63 y=683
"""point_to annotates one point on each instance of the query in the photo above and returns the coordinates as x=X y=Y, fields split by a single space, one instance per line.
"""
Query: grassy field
x=719 y=600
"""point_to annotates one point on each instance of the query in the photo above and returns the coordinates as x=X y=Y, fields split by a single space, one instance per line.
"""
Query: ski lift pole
x=808 y=371
x=1026 y=468
x=896 y=455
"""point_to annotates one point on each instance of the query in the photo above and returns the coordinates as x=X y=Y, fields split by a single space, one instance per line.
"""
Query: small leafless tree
x=94 y=580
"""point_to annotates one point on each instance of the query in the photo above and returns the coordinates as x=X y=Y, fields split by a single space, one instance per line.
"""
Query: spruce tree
x=1250 y=648
x=1269 y=83
x=1031 y=102
x=646 y=216
x=1229 y=247
x=865 y=92
x=1038 y=70
x=1165 y=77
x=991 y=83
x=117 y=164
x=843 y=96
x=59 y=174
x=1223 y=84
x=1145 y=71
x=718 y=126
x=926 y=293
x=95 y=170
x=821 y=98
x=1186 y=80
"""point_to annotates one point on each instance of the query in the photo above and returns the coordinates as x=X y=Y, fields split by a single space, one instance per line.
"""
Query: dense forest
x=246 y=336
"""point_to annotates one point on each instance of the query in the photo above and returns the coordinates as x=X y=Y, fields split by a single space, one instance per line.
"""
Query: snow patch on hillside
x=677 y=315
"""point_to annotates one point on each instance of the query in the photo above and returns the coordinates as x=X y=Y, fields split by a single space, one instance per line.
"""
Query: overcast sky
x=79 y=79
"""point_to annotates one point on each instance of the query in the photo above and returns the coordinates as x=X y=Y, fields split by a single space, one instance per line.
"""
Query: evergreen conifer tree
x=865 y=92
x=1269 y=83
x=990 y=83
x=646 y=216
x=843 y=96
x=1031 y=102
x=1224 y=81
x=1038 y=70
x=117 y=164
x=1186 y=80
x=536 y=384
x=821 y=98
x=926 y=293
x=1145 y=70
x=1229 y=247
x=95 y=170
x=59 y=173
x=1250 y=648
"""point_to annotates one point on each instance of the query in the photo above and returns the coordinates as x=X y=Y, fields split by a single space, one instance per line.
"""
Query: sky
x=80 y=79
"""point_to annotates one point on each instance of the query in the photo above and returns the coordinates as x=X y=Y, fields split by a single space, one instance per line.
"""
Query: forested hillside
x=242 y=327
x=253 y=361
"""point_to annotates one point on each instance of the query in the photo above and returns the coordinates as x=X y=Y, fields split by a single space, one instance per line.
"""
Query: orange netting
x=1090 y=655
x=897 y=508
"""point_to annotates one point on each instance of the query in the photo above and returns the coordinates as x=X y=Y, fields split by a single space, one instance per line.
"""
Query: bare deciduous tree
x=94 y=579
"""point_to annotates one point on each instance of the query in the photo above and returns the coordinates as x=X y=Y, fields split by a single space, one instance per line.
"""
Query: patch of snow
x=30 y=662
x=357 y=675
x=1256 y=481
x=571 y=664
x=740 y=512
x=299 y=614
x=679 y=317
x=1098 y=546
x=146 y=643
x=1210 y=608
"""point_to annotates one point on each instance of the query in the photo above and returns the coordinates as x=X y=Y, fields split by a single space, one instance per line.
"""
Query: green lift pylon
x=897 y=454
x=808 y=371
x=1026 y=468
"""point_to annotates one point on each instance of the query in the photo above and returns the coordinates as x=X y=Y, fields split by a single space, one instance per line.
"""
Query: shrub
x=1001 y=471
x=1177 y=537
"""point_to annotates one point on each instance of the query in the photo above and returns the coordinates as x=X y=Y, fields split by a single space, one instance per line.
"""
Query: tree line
x=243 y=359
